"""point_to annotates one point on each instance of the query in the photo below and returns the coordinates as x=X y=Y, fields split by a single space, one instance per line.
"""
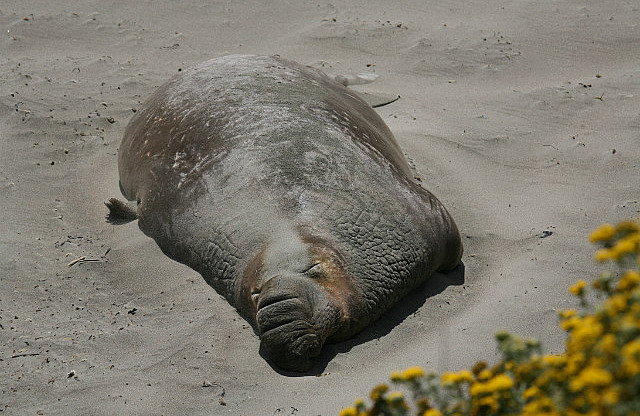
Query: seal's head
x=297 y=295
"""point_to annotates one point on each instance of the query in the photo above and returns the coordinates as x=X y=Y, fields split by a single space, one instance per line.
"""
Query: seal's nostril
x=255 y=296
x=271 y=298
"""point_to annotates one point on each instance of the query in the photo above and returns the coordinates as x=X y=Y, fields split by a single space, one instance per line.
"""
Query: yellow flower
x=591 y=377
x=629 y=280
x=432 y=412
x=412 y=373
x=608 y=344
x=575 y=361
x=603 y=254
x=456 y=378
x=349 y=411
x=501 y=382
x=395 y=396
x=525 y=369
x=531 y=392
x=489 y=401
x=542 y=406
x=477 y=388
x=610 y=396
x=485 y=375
x=578 y=288
x=497 y=383
x=631 y=357
x=585 y=333
x=623 y=247
x=395 y=399
x=570 y=323
x=396 y=376
x=603 y=233
x=615 y=305
x=553 y=360
x=629 y=323
x=378 y=391
x=569 y=313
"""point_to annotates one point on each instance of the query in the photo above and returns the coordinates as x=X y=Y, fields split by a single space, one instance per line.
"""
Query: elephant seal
x=288 y=194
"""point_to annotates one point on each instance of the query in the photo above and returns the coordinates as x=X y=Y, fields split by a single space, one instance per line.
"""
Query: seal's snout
x=289 y=310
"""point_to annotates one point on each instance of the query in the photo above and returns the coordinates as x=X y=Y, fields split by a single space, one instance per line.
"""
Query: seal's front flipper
x=121 y=212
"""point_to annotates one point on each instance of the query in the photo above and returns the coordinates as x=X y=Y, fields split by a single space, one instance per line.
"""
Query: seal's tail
x=120 y=212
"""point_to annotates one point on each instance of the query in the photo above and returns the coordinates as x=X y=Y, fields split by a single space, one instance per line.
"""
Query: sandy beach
x=522 y=117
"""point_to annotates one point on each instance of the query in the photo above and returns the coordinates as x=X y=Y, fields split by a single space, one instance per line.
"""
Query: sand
x=522 y=117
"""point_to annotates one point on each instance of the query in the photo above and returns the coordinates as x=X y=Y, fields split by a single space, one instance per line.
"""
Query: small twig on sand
x=79 y=259
x=25 y=354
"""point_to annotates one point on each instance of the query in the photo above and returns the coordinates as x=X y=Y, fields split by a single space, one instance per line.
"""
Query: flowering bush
x=598 y=374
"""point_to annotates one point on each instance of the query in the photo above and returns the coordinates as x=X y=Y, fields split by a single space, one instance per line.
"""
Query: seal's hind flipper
x=120 y=212
x=378 y=100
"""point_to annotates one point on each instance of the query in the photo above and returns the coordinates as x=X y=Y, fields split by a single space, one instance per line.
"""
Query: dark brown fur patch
x=330 y=274
x=249 y=286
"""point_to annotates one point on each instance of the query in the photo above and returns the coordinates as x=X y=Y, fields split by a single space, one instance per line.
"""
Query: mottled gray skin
x=290 y=196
